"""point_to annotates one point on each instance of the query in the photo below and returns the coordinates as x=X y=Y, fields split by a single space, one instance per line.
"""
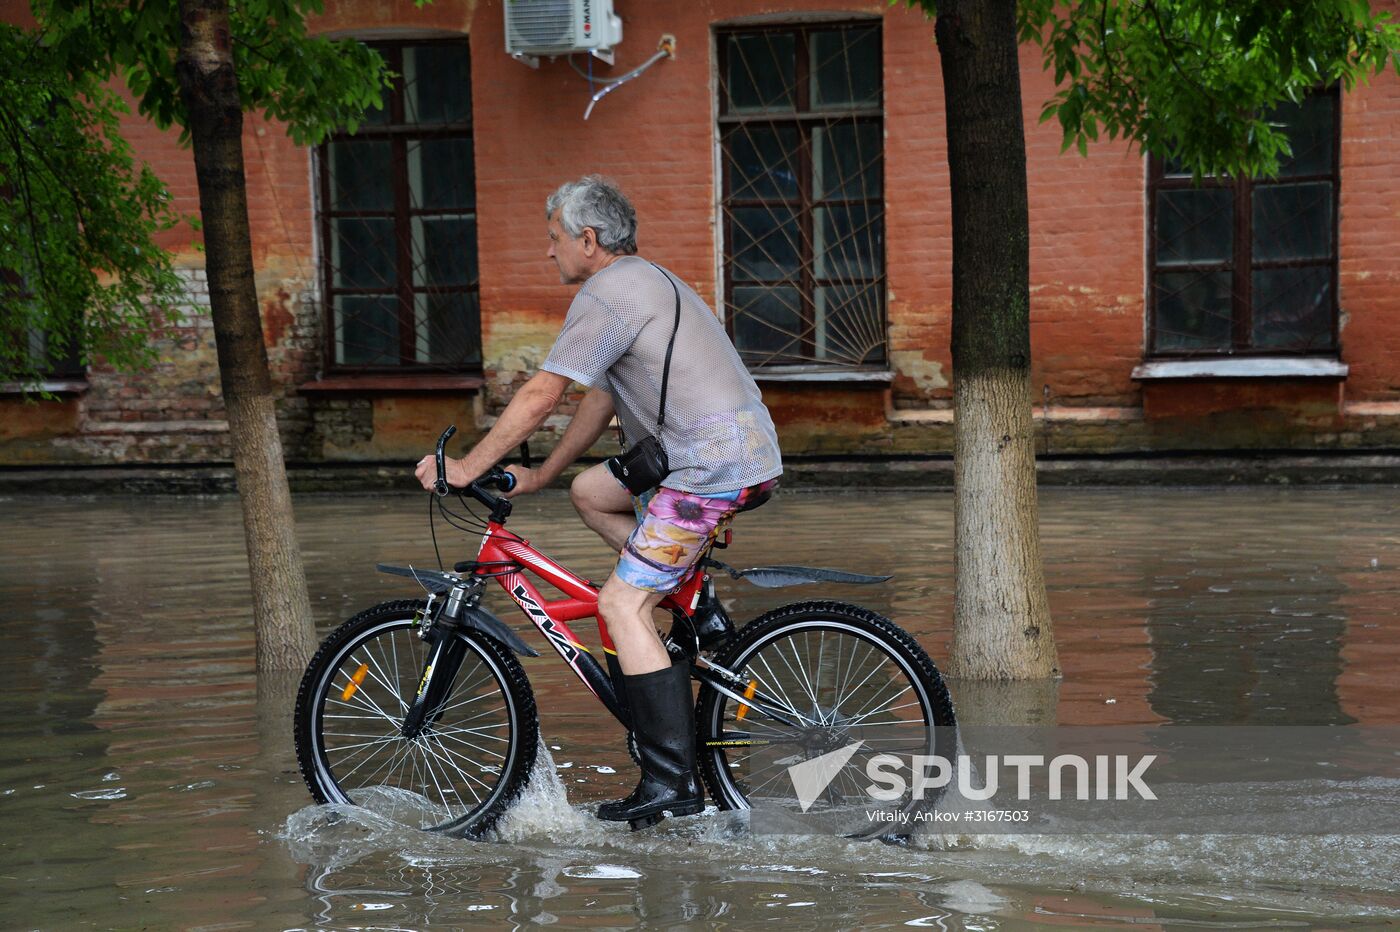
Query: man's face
x=573 y=255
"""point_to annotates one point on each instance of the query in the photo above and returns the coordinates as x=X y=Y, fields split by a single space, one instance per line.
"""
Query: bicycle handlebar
x=440 y=487
x=494 y=478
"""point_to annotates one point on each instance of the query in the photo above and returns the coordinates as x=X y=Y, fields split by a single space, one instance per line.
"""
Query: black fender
x=431 y=580
x=479 y=619
x=781 y=577
x=474 y=617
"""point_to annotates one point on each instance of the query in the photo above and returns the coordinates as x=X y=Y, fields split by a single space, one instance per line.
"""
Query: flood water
x=148 y=780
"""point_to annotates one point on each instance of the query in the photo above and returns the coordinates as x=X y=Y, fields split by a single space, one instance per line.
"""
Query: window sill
x=391 y=384
x=52 y=386
x=1243 y=367
x=821 y=374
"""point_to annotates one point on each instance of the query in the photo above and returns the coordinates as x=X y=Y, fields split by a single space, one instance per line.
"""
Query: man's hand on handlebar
x=457 y=478
x=526 y=481
x=439 y=474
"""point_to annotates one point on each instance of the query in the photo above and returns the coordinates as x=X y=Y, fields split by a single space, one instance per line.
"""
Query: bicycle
x=422 y=704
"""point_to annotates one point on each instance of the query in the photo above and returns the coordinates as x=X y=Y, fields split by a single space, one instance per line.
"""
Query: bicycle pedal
x=645 y=821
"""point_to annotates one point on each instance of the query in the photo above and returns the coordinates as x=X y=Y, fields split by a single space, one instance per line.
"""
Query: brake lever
x=440 y=487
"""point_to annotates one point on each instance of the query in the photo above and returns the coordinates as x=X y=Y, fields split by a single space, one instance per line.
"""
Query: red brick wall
x=1087 y=254
x=918 y=213
x=656 y=137
x=1370 y=221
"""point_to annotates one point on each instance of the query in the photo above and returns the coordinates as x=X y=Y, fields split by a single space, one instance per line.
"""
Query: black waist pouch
x=642 y=468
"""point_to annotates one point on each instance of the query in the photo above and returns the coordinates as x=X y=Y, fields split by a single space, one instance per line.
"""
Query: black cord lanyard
x=665 y=369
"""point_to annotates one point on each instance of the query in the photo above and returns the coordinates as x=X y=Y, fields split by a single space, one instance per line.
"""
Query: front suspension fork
x=439 y=673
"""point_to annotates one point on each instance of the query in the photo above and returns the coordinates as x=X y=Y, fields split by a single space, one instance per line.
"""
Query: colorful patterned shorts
x=674 y=528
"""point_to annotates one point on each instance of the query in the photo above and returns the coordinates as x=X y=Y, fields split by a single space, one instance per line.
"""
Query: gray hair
x=593 y=201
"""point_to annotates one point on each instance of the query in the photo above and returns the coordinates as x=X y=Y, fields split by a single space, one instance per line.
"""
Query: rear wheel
x=465 y=767
x=839 y=674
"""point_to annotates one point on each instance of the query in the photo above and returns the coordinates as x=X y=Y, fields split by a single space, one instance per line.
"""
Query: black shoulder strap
x=666 y=370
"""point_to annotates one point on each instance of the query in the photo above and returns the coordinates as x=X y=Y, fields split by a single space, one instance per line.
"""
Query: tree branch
x=1171 y=56
x=27 y=196
x=58 y=176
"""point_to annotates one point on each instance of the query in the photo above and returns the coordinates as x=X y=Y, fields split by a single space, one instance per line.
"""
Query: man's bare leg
x=604 y=505
x=627 y=611
x=660 y=703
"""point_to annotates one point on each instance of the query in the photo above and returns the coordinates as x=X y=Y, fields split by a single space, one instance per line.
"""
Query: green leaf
x=1189 y=77
x=81 y=232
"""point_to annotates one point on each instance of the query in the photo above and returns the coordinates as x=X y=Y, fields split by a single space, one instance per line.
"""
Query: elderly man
x=719 y=442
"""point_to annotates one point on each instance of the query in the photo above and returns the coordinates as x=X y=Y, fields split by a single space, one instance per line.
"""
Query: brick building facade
x=789 y=163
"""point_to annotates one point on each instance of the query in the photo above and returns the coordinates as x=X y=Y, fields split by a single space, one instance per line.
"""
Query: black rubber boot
x=663 y=719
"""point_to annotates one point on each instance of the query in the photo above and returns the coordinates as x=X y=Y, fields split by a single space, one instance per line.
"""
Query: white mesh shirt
x=718 y=434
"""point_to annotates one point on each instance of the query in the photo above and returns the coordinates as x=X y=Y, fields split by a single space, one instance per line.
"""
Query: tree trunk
x=1001 y=627
x=209 y=89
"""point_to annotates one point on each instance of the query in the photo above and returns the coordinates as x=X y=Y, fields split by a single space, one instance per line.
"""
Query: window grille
x=801 y=129
x=1249 y=265
x=398 y=219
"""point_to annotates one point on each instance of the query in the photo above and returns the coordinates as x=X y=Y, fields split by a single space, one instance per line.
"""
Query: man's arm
x=534 y=402
x=587 y=425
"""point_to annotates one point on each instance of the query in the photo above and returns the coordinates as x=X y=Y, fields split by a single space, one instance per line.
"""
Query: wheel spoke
x=342 y=748
x=865 y=712
x=447 y=761
x=365 y=701
x=384 y=680
x=799 y=675
x=474 y=747
x=851 y=668
x=453 y=732
x=400 y=752
x=458 y=705
x=776 y=686
x=852 y=690
x=346 y=776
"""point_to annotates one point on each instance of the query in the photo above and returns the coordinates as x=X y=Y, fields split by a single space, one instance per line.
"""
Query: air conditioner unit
x=560 y=27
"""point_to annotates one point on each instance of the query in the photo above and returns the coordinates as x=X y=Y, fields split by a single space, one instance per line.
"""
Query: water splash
x=543 y=807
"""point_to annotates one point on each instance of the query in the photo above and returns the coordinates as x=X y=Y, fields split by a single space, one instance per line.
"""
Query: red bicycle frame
x=506 y=557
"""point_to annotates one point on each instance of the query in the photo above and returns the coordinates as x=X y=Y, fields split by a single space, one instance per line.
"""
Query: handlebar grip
x=440 y=487
x=498 y=479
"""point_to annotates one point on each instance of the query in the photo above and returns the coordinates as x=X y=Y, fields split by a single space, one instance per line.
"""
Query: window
x=399 y=221
x=1249 y=265
x=801 y=142
x=56 y=361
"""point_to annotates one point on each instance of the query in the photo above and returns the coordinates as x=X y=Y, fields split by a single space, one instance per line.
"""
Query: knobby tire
x=714 y=712
x=455 y=764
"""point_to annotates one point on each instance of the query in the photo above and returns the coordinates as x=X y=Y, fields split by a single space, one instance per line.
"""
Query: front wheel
x=837 y=674
x=458 y=772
